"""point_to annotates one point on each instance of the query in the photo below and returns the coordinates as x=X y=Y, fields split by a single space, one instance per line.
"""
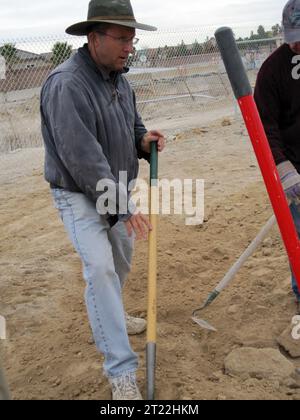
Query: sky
x=37 y=18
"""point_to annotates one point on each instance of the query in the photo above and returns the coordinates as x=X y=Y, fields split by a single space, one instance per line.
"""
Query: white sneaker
x=125 y=387
x=135 y=325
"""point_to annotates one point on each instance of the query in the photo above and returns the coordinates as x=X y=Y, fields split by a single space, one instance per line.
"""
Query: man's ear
x=90 y=36
x=93 y=39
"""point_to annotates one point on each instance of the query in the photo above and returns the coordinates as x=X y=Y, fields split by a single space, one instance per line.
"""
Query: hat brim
x=291 y=35
x=82 y=28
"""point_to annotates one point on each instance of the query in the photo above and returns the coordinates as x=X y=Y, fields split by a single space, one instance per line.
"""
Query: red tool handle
x=243 y=93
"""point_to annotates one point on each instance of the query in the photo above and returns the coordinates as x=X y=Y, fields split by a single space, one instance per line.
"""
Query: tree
x=276 y=30
x=9 y=52
x=196 y=48
x=61 y=51
x=208 y=45
x=261 y=32
x=182 y=49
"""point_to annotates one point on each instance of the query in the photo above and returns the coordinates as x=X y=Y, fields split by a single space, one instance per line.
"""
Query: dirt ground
x=47 y=354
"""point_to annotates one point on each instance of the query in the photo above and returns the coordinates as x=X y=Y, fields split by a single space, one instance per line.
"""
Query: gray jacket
x=90 y=125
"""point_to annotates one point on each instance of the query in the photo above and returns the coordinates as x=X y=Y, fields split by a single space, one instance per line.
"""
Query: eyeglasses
x=120 y=39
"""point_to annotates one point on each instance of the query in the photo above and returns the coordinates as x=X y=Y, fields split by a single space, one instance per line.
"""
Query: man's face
x=295 y=47
x=112 y=47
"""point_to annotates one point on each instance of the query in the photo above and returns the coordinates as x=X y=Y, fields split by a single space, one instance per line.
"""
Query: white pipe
x=170 y=98
x=246 y=254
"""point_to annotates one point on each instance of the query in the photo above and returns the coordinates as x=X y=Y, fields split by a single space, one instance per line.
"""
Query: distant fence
x=190 y=73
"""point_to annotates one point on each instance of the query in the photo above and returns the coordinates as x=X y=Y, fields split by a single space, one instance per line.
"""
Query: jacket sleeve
x=70 y=119
x=267 y=99
x=139 y=131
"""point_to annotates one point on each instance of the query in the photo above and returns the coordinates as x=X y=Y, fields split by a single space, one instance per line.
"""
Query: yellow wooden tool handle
x=152 y=275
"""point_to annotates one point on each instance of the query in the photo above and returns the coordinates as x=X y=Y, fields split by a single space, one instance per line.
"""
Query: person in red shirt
x=277 y=95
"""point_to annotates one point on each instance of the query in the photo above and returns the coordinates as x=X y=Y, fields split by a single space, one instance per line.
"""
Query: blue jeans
x=106 y=257
x=295 y=210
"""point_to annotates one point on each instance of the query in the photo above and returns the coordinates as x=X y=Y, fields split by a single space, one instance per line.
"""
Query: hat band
x=112 y=18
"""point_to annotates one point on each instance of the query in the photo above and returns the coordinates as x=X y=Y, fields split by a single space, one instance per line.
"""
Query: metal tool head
x=204 y=324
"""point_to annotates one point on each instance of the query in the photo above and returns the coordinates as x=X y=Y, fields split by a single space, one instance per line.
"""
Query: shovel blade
x=204 y=324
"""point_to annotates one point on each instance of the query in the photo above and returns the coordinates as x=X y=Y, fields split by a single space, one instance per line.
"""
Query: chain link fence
x=169 y=70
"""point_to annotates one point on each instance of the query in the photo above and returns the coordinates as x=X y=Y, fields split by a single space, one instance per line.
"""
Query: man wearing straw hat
x=277 y=94
x=93 y=132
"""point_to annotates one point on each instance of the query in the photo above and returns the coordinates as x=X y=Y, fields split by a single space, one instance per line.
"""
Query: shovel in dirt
x=231 y=273
x=152 y=275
